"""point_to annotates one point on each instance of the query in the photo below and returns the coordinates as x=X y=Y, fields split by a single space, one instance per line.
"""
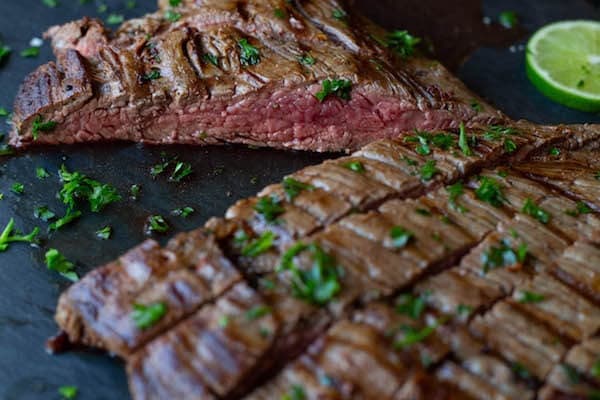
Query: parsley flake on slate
x=30 y=52
x=104 y=233
x=464 y=310
x=156 y=223
x=134 y=191
x=490 y=191
x=463 y=141
x=69 y=217
x=411 y=305
x=10 y=235
x=526 y=297
x=50 y=3
x=181 y=171
x=533 y=210
x=41 y=173
x=57 y=262
x=43 y=213
x=4 y=52
x=68 y=392
x=293 y=188
x=17 y=188
x=146 y=316
x=508 y=19
x=571 y=374
x=503 y=255
x=115 y=19
x=183 y=212
x=249 y=55
x=355 y=166
x=223 y=321
x=338 y=87
x=260 y=245
x=269 y=207
x=318 y=284
x=400 y=236
x=257 y=312
x=4 y=112
x=39 y=125
x=429 y=170
x=402 y=42
x=78 y=186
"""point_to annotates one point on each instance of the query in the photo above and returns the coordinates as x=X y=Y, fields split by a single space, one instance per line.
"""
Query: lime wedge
x=563 y=62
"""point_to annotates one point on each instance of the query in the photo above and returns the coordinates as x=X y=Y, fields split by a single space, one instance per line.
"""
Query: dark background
x=28 y=292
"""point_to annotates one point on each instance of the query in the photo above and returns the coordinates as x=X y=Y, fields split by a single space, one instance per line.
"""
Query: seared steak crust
x=190 y=81
x=494 y=295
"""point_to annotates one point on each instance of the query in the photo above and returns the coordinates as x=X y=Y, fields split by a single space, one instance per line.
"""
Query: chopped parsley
x=455 y=191
x=30 y=52
x=104 y=233
x=503 y=255
x=339 y=14
x=115 y=19
x=571 y=374
x=17 y=188
x=402 y=43
x=43 y=213
x=4 y=52
x=400 y=236
x=463 y=141
x=293 y=188
x=554 y=152
x=55 y=261
x=424 y=139
x=412 y=335
x=41 y=173
x=508 y=19
x=338 y=87
x=183 y=212
x=146 y=316
x=580 y=209
x=429 y=170
x=355 y=166
x=249 y=55
x=533 y=210
x=78 y=186
x=134 y=191
x=39 y=125
x=154 y=74
x=260 y=245
x=269 y=207
x=307 y=59
x=490 y=191
x=211 y=58
x=223 y=321
x=50 y=3
x=172 y=16
x=257 y=312
x=175 y=3
x=68 y=392
x=10 y=235
x=496 y=132
x=295 y=393
x=156 y=223
x=526 y=297
x=4 y=112
x=476 y=106
x=181 y=171
x=317 y=285
x=279 y=13
x=410 y=305
x=69 y=217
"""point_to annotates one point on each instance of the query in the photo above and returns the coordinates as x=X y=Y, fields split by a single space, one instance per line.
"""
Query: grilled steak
x=306 y=74
x=451 y=265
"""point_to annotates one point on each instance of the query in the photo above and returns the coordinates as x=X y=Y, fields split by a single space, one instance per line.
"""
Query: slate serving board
x=28 y=292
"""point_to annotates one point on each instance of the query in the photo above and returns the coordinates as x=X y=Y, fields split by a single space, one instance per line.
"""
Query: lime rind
x=563 y=62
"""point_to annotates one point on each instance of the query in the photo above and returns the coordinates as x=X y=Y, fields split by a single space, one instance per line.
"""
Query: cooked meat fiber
x=237 y=71
x=412 y=269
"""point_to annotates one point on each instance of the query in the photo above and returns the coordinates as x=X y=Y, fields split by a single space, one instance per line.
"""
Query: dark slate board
x=28 y=292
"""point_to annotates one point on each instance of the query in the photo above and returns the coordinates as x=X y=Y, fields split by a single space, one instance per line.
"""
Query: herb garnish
x=181 y=171
x=338 y=87
x=400 y=236
x=293 y=188
x=152 y=75
x=503 y=255
x=429 y=170
x=463 y=141
x=183 y=212
x=68 y=392
x=43 y=213
x=50 y=3
x=69 y=217
x=4 y=51
x=412 y=306
x=175 y=3
x=156 y=223
x=526 y=297
x=355 y=166
x=440 y=140
x=463 y=310
x=257 y=312
x=508 y=19
x=4 y=112
x=307 y=59
x=115 y=19
x=30 y=52
x=320 y=283
x=412 y=335
x=134 y=191
x=172 y=16
x=490 y=191
x=39 y=125
x=6 y=150
x=223 y=321
x=533 y=210
x=510 y=146
x=554 y=151
x=295 y=393
x=402 y=42
x=339 y=14
x=249 y=55
x=17 y=188
x=10 y=235
x=104 y=233
x=260 y=245
x=279 y=13
x=78 y=186
x=571 y=374
x=211 y=58
x=455 y=191
x=146 y=316
x=269 y=207
x=57 y=262
x=41 y=173
x=580 y=209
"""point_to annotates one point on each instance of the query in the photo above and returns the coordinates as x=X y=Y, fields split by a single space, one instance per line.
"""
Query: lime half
x=563 y=62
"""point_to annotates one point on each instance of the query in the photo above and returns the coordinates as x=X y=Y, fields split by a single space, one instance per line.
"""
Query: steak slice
x=234 y=71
